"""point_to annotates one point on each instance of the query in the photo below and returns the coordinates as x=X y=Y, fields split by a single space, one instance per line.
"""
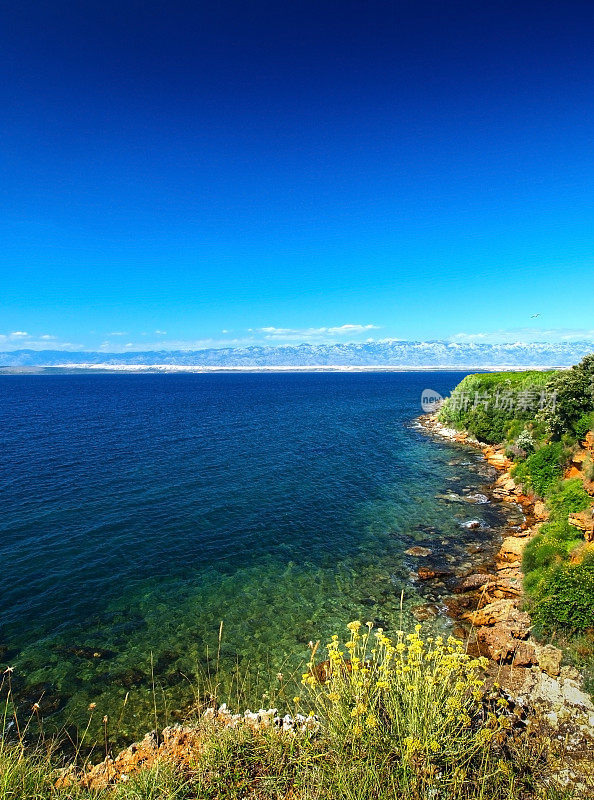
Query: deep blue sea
x=138 y=512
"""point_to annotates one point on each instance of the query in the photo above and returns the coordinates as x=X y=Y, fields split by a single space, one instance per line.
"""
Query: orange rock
x=584 y=521
x=512 y=548
x=498 y=644
x=574 y=472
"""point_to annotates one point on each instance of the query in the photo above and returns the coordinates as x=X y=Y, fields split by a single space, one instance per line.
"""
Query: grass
x=389 y=717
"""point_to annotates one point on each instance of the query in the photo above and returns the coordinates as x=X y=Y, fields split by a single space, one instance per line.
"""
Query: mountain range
x=389 y=353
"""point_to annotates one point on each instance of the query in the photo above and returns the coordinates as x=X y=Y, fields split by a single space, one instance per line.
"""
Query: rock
x=498 y=644
x=477 y=497
x=584 y=521
x=418 y=552
x=502 y=612
x=428 y=573
x=424 y=612
x=471 y=525
x=569 y=673
x=573 y=472
x=508 y=587
x=549 y=659
x=540 y=510
x=472 y=582
x=512 y=548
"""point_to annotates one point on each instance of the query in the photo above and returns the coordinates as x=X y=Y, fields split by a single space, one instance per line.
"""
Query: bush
x=568 y=498
x=552 y=546
x=525 y=441
x=584 y=424
x=409 y=703
x=540 y=471
x=567 y=599
x=574 y=397
x=478 y=404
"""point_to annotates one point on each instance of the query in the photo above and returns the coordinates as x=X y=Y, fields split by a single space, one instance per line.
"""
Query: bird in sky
x=534 y=316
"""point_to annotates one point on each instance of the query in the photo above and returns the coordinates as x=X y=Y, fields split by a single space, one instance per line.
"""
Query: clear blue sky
x=193 y=174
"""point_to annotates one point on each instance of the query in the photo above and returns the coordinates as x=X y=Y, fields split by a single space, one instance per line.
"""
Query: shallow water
x=140 y=511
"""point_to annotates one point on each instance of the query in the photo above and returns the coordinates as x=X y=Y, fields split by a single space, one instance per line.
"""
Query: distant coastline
x=182 y=368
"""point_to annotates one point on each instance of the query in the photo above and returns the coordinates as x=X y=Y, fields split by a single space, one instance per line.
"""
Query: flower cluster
x=423 y=694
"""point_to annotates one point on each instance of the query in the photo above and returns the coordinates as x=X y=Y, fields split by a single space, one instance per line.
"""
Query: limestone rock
x=584 y=521
x=549 y=659
x=498 y=644
x=502 y=612
x=512 y=548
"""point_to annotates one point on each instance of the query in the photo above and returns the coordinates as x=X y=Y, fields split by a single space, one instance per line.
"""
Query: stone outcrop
x=179 y=745
x=584 y=521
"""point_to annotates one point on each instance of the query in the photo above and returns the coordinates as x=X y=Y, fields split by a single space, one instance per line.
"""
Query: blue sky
x=208 y=174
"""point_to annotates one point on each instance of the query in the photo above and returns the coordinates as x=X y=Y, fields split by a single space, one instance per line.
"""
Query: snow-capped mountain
x=395 y=353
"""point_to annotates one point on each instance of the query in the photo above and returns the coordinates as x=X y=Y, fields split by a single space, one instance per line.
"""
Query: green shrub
x=574 y=397
x=552 y=546
x=541 y=470
x=526 y=442
x=478 y=404
x=567 y=599
x=584 y=424
x=567 y=498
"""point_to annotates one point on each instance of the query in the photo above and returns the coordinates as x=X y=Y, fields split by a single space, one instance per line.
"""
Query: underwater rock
x=89 y=652
x=477 y=497
x=40 y=697
x=131 y=677
x=428 y=573
x=450 y=497
x=424 y=612
x=418 y=552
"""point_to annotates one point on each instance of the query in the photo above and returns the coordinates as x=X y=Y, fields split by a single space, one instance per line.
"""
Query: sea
x=167 y=539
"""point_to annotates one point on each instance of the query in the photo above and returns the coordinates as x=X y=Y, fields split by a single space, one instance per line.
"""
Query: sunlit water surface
x=140 y=511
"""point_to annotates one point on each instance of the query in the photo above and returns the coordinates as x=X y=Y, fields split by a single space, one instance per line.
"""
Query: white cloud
x=161 y=333
x=117 y=333
x=525 y=335
x=329 y=333
x=48 y=337
x=18 y=334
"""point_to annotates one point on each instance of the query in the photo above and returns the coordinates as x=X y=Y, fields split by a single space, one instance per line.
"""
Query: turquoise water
x=141 y=511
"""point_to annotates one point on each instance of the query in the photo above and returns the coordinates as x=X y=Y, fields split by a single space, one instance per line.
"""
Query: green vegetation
x=574 y=400
x=542 y=470
x=541 y=418
x=402 y=717
x=495 y=407
x=566 y=498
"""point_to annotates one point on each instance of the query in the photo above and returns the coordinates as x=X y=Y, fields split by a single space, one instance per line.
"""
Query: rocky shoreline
x=488 y=607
